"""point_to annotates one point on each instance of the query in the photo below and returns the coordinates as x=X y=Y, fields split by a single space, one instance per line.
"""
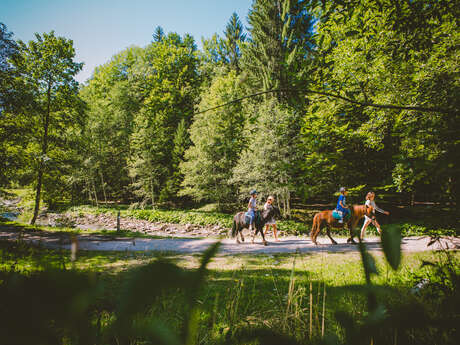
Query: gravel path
x=189 y=245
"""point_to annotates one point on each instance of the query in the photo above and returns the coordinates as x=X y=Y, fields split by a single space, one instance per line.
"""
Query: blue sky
x=101 y=28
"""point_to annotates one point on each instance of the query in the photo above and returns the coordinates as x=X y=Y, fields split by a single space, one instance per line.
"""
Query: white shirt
x=374 y=206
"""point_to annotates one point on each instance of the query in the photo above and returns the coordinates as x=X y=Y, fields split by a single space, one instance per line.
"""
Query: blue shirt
x=341 y=198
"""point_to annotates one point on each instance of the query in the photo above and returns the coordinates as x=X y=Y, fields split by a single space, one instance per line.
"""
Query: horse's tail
x=234 y=228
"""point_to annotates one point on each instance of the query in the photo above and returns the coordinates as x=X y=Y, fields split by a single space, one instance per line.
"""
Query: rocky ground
x=109 y=222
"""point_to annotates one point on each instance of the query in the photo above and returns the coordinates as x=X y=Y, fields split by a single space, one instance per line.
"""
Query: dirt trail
x=289 y=244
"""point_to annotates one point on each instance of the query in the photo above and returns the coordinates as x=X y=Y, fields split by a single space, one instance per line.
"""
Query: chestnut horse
x=322 y=218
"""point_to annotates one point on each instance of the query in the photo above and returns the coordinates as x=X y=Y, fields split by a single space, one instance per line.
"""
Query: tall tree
x=168 y=69
x=8 y=48
x=217 y=140
x=48 y=68
x=272 y=159
x=113 y=98
x=9 y=94
x=280 y=40
x=158 y=34
x=234 y=36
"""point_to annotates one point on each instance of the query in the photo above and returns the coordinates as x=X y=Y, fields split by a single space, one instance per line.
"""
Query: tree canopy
x=289 y=99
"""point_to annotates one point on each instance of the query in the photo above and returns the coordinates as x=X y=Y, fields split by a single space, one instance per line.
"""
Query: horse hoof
x=350 y=240
x=334 y=242
x=265 y=244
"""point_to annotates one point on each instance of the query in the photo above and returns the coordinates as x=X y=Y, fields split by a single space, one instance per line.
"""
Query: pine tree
x=234 y=36
x=280 y=39
x=158 y=34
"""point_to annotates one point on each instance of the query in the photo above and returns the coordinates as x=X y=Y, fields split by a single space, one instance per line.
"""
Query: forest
x=309 y=97
x=117 y=194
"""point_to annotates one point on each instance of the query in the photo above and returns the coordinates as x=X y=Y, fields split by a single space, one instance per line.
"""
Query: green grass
x=271 y=291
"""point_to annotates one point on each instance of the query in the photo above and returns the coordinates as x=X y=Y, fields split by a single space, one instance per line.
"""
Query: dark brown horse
x=322 y=218
x=261 y=217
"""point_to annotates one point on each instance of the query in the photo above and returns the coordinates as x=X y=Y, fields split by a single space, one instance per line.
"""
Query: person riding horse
x=252 y=207
x=253 y=219
x=342 y=207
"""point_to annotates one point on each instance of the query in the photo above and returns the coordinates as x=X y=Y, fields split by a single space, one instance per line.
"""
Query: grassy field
x=277 y=293
x=161 y=298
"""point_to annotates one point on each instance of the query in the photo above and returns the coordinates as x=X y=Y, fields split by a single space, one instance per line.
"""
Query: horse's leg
x=351 y=226
x=315 y=231
x=328 y=232
x=263 y=235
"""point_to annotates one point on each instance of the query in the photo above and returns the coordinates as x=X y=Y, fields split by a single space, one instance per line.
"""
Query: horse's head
x=277 y=212
x=368 y=210
x=271 y=211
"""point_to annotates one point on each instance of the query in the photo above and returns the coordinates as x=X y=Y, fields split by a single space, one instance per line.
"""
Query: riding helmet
x=253 y=192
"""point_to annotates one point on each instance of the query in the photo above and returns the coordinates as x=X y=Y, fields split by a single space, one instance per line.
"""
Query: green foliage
x=260 y=298
x=391 y=245
x=217 y=140
x=50 y=114
x=112 y=101
x=385 y=52
x=66 y=306
x=169 y=67
x=280 y=39
x=177 y=217
x=140 y=138
x=270 y=163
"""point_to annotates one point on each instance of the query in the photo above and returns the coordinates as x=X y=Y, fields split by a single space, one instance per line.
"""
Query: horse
x=322 y=218
x=261 y=217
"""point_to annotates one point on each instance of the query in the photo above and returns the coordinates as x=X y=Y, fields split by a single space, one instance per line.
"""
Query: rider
x=341 y=204
x=252 y=205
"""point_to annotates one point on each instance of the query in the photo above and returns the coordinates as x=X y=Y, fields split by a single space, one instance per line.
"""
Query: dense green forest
x=311 y=96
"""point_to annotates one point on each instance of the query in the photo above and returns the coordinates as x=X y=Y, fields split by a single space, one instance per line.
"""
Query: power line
x=328 y=94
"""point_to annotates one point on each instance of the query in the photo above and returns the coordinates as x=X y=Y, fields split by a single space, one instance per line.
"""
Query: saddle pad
x=336 y=214
x=247 y=218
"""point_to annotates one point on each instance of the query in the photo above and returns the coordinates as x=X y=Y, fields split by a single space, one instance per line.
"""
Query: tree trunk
x=95 y=193
x=103 y=186
x=152 y=193
x=41 y=165
x=37 y=194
